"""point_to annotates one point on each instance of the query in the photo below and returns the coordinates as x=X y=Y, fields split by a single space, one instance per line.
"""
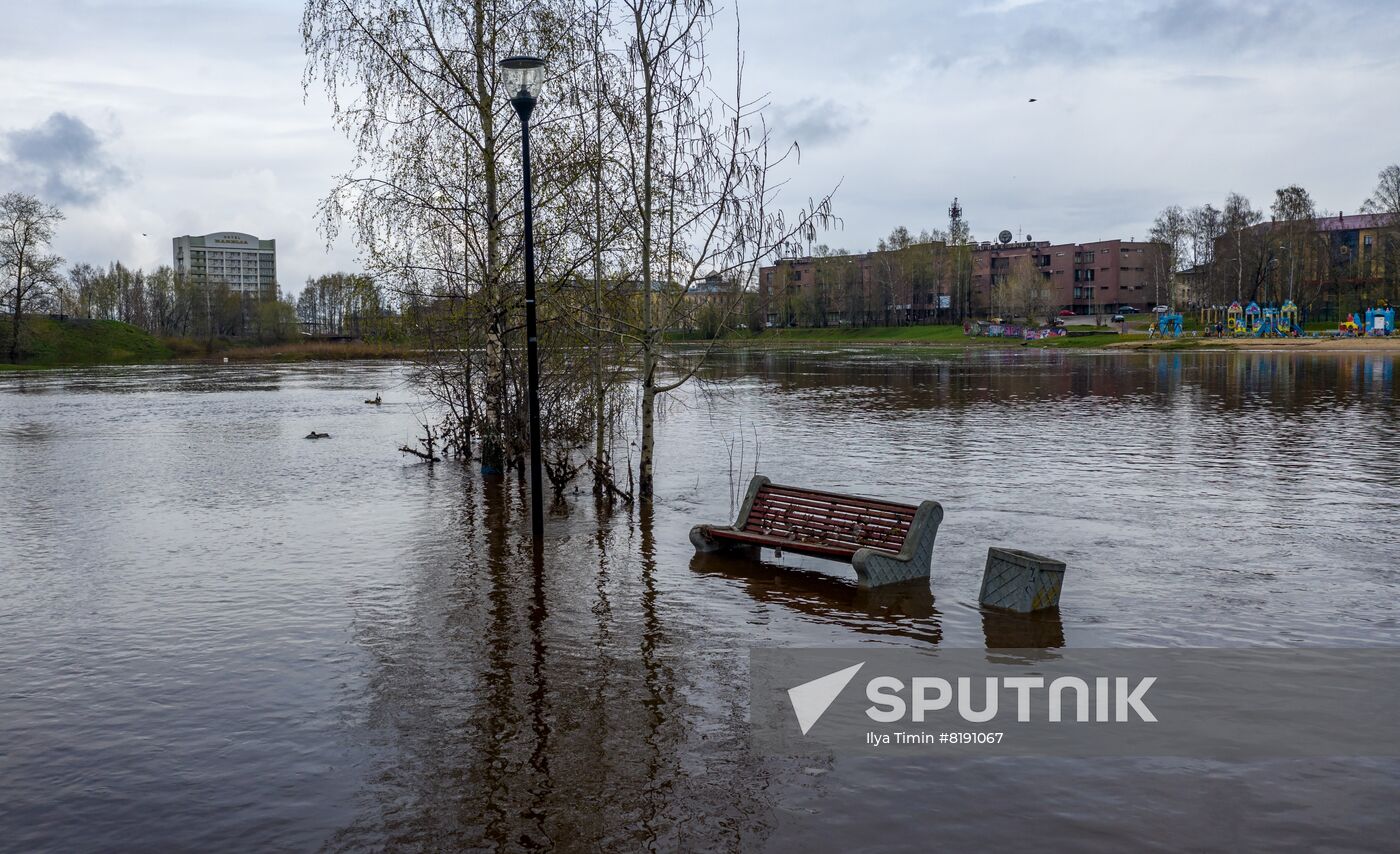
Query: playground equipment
x=1252 y=314
x=1211 y=316
x=1267 y=327
x=1168 y=325
x=1234 y=319
x=1379 y=321
x=1290 y=319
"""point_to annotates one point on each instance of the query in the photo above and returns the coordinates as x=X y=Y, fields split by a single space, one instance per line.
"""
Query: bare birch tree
x=28 y=268
x=699 y=186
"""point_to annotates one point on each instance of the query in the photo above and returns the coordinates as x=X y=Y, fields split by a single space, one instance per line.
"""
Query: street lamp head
x=523 y=76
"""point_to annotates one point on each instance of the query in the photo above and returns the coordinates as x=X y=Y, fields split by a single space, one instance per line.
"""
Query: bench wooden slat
x=799 y=491
x=819 y=549
x=765 y=515
x=797 y=517
x=813 y=532
x=849 y=517
x=840 y=515
x=884 y=511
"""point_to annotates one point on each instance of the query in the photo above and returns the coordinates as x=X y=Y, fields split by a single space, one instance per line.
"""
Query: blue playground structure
x=1168 y=325
x=1251 y=319
x=1379 y=321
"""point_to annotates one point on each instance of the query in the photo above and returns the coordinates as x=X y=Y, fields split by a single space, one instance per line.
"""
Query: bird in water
x=314 y=435
x=378 y=401
x=1032 y=101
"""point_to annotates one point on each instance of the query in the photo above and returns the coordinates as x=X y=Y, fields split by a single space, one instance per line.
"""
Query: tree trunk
x=600 y=394
x=495 y=404
x=18 y=309
x=645 y=482
x=14 y=337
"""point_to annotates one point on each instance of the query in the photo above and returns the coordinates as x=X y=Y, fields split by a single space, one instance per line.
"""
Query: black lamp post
x=524 y=74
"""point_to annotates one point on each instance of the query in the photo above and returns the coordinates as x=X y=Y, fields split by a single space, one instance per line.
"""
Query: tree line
x=166 y=303
x=1238 y=252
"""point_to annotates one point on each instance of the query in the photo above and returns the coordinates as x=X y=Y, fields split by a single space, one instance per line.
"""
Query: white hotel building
x=246 y=264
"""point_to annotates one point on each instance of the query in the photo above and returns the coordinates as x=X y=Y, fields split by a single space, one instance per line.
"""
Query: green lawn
x=949 y=336
x=47 y=341
x=935 y=334
x=1098 y=339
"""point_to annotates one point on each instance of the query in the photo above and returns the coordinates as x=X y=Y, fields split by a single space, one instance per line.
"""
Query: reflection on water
x=903 y=610
x=1007 y=630
x=217 y=635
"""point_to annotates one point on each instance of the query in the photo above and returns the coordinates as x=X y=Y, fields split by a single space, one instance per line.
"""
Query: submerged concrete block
x=1021 y=581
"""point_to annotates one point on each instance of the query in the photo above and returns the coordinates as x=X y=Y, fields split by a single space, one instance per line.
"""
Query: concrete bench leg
x=914 y=561
x=705 y=544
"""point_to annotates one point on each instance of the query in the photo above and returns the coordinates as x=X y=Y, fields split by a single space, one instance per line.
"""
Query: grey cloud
x=1053 y=45
x=814 y=122
x=1209 y=81
x=61 y=159
x=1242 y=25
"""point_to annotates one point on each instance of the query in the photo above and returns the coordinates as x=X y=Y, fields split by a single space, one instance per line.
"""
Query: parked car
x=1161 y=309
x=1064 y=312
x=1127 y=309
x=1118 y=318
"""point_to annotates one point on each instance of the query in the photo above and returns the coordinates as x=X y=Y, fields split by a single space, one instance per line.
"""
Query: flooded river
x=215 y=634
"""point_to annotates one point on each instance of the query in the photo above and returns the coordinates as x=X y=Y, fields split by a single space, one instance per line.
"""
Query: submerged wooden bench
x=885 y=541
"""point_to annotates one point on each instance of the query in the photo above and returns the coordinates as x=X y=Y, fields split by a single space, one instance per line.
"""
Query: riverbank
x=313 y=351
x=943 y=336
x=50 y=342
x=47 y=341
x=1319 y=345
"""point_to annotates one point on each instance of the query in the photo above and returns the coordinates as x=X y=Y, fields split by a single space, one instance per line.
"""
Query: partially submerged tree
x=698 y=183
x=645 y=182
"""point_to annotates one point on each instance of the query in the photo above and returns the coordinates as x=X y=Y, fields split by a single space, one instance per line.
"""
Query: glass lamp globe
x=523 y=76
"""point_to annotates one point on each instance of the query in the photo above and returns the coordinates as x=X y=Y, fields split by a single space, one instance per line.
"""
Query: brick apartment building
x=1105 y=275
x=1102 y=276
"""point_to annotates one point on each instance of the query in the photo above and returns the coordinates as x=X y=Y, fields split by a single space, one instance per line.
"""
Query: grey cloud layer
x=61 y=159
x=904 y=103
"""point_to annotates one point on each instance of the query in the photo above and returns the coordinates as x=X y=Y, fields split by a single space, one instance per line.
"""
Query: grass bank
x=47 y=341
x=948 y=336
x=313 y=351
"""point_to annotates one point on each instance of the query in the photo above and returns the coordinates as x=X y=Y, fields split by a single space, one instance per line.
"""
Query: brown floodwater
x=215 y=634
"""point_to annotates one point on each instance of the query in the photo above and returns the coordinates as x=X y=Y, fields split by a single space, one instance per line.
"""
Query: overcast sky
x=147 y=119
